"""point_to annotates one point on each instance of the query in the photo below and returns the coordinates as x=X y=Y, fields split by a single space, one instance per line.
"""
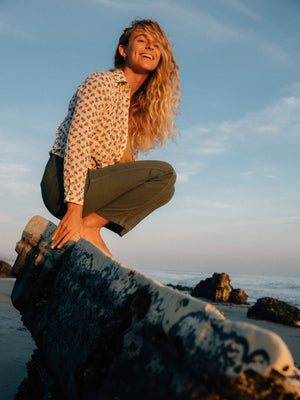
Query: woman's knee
x=168 y=178
x=168 y=172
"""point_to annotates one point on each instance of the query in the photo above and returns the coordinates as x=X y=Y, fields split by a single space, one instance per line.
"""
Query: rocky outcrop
x=218 y=289
x=274 y=310
x=105 y=331
x=5 y=270
x=238 y=296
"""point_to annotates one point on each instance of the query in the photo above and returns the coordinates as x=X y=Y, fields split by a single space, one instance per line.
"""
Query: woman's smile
x=142 y=54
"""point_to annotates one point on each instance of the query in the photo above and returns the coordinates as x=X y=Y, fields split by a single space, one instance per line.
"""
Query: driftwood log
x=105 y=331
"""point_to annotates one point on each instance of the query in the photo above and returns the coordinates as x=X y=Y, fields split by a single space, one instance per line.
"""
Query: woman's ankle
x=94 y=221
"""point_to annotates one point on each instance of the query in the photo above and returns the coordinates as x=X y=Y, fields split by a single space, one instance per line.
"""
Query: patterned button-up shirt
x=95 y=131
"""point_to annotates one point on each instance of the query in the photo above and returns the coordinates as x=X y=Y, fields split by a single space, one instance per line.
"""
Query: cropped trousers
x=124 y=193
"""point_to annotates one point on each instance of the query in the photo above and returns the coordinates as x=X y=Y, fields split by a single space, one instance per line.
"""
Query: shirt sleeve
x=77 y=154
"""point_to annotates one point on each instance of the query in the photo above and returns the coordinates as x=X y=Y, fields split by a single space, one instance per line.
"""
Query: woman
x=93 y=179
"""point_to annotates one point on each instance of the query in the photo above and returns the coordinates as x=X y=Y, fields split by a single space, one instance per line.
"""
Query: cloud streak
x=216 y=29
x=186 y=170
x=279 y=121
x=201 y=22
x=242 y=9
x=15 y=179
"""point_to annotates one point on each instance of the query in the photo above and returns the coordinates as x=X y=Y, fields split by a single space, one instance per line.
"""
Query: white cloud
x=217 y=29
x=280 y=121
x=185 y=170
x=15 y=180
x=241 y=8
x=265 y=173
x=211 y=213
x=271 y=50
x=201 y=22
x=212 y=147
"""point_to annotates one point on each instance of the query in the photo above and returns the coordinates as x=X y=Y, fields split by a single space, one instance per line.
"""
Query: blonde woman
x=93 y=179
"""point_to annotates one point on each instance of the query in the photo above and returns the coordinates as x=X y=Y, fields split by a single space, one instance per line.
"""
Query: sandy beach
x=17 y=345
x=290 y=335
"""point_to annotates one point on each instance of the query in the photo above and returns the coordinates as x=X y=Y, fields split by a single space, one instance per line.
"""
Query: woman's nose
x=150 y=44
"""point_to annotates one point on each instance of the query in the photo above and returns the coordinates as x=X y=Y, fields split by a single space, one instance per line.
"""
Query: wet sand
x=15 y=343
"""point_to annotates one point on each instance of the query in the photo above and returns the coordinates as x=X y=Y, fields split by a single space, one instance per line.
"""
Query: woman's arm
x=70 y=226
x=76 y=161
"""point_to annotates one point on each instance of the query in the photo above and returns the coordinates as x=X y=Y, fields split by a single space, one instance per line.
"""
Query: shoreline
x=15 y=342
x=17 y=345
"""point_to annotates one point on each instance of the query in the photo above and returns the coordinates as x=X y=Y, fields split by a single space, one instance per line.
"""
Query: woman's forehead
x=142 y=32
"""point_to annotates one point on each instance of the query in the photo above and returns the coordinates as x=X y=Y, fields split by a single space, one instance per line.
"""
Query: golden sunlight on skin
x=142 y=55
x=92 y=224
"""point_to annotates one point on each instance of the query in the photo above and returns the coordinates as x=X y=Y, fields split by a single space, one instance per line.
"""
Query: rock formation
x=238 y=296
x=218 y=289
x=181 y=288
x=104 y=331
x=5 y=270
x=276 y=311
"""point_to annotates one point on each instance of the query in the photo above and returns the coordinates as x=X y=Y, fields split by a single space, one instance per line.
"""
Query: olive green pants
x=124 y=194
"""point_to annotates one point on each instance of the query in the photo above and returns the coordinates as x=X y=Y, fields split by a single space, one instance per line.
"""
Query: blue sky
x=236 y=207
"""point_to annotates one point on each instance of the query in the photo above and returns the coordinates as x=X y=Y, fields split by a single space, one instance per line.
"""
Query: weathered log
x=105 y=331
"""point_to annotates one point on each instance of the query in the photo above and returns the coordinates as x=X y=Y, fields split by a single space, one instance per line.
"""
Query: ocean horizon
x=284 y=288
x=280 y=287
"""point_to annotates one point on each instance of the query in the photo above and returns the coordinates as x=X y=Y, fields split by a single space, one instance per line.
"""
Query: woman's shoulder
x=101 y=81
x=110 y=76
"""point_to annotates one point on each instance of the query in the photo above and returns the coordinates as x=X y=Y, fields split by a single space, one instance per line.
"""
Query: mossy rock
x=274 y=310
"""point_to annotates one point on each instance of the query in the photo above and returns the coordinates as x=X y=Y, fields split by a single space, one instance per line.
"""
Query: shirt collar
x=119 y=76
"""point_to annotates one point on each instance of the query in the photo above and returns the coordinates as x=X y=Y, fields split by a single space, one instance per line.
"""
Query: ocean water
x=284 y=288
x=256 y=286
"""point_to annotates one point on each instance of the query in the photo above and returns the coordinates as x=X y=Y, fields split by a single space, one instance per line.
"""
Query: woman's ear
x=122 y=50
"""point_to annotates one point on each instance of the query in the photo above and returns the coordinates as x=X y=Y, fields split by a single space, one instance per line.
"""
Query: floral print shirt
x=95 y=131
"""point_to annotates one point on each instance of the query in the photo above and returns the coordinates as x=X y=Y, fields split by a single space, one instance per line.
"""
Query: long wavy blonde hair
x=154 y=105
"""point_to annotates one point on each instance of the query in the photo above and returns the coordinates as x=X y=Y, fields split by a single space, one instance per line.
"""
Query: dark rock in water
x=274 y=310
x=105 y=332
x=217 y=288
x=5 y=270
x=180 y=288
x=238 y=296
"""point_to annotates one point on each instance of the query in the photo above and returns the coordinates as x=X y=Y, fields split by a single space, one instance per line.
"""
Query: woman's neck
x=135 y=80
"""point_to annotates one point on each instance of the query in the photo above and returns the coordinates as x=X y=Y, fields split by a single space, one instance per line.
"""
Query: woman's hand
x=70 y=226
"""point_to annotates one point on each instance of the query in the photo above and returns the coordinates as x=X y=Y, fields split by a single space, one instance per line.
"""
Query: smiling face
x=142 y=54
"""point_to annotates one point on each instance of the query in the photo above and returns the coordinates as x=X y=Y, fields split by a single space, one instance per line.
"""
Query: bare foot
x=93 y=236
x=92 y=224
